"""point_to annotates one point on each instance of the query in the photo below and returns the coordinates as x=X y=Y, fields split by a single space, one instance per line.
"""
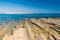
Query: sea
x=15 y=17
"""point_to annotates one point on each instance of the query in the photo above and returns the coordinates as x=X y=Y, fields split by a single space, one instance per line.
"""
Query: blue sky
x=30 y=6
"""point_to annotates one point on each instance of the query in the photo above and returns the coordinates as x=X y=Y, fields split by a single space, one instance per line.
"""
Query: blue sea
x=4 y=17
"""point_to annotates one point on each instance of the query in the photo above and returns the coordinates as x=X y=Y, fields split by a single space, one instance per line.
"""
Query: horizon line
x=24 y=12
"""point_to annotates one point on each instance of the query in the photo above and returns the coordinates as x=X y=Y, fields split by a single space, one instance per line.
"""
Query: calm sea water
x=4 y=17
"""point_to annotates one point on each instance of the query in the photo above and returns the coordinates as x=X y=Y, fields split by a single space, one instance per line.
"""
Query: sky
x=29 y=6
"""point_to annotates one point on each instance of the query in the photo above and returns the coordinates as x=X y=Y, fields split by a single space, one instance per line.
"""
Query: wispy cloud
x=15 y=12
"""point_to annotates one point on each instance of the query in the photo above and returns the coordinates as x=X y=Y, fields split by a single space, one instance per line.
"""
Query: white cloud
x=15 y=12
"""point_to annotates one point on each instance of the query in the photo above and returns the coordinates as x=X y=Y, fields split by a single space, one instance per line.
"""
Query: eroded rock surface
x=35 y=29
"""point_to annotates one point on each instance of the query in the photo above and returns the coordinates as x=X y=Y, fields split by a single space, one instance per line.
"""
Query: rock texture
x=35 y=29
